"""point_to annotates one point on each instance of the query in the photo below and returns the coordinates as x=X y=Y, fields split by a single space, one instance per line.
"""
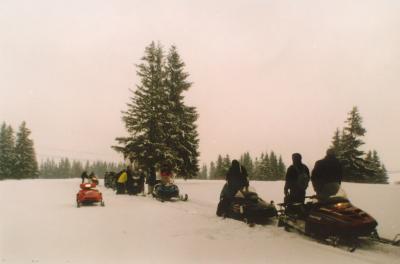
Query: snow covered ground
x=39 y=223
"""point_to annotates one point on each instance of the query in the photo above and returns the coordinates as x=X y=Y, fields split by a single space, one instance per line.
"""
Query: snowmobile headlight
x=341 y=205
x=88 y=185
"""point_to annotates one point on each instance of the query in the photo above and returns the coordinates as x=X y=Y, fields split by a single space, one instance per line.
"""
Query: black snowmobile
x=136 y=185
x=247 y=206
x=334 y=221
x=168 y=192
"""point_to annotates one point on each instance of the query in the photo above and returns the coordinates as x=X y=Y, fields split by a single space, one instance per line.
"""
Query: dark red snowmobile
x=89 y=195
x=334 y=220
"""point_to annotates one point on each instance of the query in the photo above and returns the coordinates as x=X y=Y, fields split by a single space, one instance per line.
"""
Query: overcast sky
x=267 y=75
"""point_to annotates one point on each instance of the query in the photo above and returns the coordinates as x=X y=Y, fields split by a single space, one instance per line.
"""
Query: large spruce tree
x=181 y=129
x=357 y=167
x=26 y=165
x=161 y=127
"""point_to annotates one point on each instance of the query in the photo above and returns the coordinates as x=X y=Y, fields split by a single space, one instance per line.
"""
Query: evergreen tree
x=76 y=169
x=247 y=162
x=381 y=172
x=161 y=128
x=26 y=166
x=7 y=152
x=181 y=128
x=87 y=166
x=203 y=173
x=212 y=171
x=48 y=169
x=357 y=167
x=64 y=168
x=256 y=170
x=337 y=143
x=274 y=166
x=261 y=169
x=354 y=167
x=281 y=169
x=377 y=171
x=226 y=164
x=265 y=168
x=219 y=168
x=145 y=112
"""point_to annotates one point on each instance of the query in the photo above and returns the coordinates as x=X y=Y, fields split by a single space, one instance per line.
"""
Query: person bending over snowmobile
x=327 y=175
x=151 y=180
x=236 y=179
x=141 y=181
x=84 y=176
x=296 y=182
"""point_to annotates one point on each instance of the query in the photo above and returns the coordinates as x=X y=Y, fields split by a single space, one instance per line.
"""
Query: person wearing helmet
x=166 y=173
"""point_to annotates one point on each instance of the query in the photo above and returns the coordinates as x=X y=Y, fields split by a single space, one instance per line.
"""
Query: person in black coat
x=236 y=179
x=129 y=180
x=151 y=179
x=327 y=175
x=296 y=181
x=84 y=176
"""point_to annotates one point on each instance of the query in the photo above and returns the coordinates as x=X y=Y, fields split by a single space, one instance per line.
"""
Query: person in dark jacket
x=84 y=176
x=327 y=175
x=129 y=180
x=236 y=179
x=296 y=182
x=151 y=179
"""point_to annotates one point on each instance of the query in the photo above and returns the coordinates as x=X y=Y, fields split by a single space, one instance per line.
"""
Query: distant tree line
x=17 y=153
x=64 y=168
x=358 y=166
x=267 y=167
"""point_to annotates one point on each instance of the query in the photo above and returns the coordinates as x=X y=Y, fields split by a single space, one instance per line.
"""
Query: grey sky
x=278 y=75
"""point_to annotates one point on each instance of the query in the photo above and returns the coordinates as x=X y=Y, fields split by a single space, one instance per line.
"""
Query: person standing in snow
x=151 y=180
x=236 y=179
x=141 y=179
x=327 y=175
x=129 y=180
x=296 y=181
x=122 y=178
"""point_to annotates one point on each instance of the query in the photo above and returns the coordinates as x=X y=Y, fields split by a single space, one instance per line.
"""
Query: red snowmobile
x=89 y=195
x=334 y=220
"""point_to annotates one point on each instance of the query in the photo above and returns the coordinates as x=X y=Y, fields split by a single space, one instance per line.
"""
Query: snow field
x=40 y=223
